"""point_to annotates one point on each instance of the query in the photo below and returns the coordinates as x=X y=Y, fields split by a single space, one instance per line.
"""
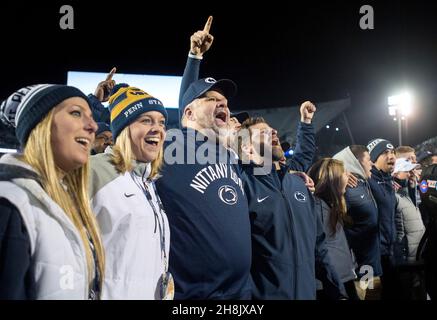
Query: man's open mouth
x=221 y=115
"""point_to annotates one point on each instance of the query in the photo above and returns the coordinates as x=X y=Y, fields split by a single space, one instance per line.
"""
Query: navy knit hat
x=127 y=103
x=34 y=104
x=102 y=127
x=377 y=146
x=201 y=86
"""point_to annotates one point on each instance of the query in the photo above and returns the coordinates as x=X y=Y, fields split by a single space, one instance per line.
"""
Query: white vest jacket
x=58 y=259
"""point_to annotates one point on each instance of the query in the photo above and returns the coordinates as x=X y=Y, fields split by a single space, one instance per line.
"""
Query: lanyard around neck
x=158 y=217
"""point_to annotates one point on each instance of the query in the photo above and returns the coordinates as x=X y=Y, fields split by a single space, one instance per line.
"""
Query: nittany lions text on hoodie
x=210 y=249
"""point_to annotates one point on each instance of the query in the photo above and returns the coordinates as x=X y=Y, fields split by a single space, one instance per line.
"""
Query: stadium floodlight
x=399 y=107
x=403 y=103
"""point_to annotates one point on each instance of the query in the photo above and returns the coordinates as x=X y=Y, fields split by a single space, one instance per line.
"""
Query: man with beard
x=202 y=192
x=288 y=242
x=382 y=154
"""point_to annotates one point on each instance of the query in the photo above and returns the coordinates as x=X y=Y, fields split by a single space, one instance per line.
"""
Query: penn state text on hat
x=127 y=103
x=201 y=86
x=8 y=108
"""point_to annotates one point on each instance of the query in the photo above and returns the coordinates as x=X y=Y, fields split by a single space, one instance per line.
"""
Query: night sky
x=279 y=53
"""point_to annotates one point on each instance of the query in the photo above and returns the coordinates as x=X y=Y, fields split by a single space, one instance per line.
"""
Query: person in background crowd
x=409 y=225
x=102 y=94
x=47 y=229
x=330 y=179
x=409 y=232
x=413 y=190
x=134 y=225
x=237 y=118
x=103 y=138
x=381 y=183
x=361 y=220
x=426 y=158
x=428 y=247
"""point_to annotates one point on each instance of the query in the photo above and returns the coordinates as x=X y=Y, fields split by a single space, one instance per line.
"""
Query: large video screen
x=165 y=88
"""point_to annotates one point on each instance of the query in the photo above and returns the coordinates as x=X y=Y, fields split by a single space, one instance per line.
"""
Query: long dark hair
x=327 y=176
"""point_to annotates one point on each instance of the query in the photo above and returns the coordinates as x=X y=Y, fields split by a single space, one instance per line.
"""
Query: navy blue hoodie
x=381 y=184
x=363 y=233
x=210 y=247
x=288 y=242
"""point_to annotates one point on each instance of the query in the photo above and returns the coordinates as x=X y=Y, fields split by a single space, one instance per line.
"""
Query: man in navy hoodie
x=288 y=242
x=382 y=154
x=202 y=193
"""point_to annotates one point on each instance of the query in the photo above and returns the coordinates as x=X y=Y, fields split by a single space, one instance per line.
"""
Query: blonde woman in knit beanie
x=50 y=246
x=134 y=226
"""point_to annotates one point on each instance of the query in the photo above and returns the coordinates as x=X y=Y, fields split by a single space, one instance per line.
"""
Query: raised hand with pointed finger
x=201 y=41
x=104 y=88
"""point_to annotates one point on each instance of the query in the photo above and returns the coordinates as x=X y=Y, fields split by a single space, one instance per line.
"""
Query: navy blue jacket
x=363 y=233
x=16 y=278
x=191 y=74
x=210 y=246
x=100 y=113
x=288 y=242
x=305 y=148
x=382 y=189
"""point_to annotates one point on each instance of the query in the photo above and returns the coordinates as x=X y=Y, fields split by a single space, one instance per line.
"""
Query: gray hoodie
x=363 y=232
x=351 y=163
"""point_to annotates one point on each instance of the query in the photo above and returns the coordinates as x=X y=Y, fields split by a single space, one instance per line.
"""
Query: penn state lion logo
x=228 y=195
x=300 y=196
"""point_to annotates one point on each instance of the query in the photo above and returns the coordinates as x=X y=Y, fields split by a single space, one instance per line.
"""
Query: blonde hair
x=74 y=199
x=123 y=155
x=403 y=150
